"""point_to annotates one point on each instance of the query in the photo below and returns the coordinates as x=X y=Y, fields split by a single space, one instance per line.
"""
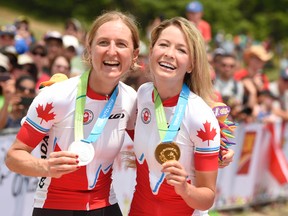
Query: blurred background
x=235 y=27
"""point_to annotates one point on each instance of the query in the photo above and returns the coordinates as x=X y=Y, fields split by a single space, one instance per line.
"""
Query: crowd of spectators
x=238 y=68
x=26 y=62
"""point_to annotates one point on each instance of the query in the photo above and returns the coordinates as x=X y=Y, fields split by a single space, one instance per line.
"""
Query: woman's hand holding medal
x=62 y=162
x=85 y=151
x=176 y=176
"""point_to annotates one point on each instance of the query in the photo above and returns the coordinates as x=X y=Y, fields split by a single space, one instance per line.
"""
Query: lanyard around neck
x=79 y=111
x=168 y=134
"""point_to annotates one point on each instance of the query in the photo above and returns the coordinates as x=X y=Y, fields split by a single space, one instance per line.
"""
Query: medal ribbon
x=168 y=134
x=79 y=111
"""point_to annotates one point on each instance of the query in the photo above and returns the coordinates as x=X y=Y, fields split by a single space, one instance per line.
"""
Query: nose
x=169 y=52
x=112 y=48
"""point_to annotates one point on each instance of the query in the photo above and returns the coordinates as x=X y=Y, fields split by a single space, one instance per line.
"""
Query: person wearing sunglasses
x=18 y=95
x=38 y=53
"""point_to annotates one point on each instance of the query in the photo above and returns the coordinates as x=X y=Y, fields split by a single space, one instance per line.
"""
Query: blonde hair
x=127 y=19
x=199 y=80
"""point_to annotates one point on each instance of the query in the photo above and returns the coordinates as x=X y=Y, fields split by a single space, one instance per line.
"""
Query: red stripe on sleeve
x=29 y=135
x=206 y=162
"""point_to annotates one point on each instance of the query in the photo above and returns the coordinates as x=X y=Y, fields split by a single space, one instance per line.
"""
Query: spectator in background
x=38 y=53
x=155 y=22
x=232 y=91
x=73 y=27
x=4 y=75
x=71 y=45
x=54 y=44
x=279 y=88
x=252 y=75
x=60 y=64
x=264 y=111
x=25 y=66
x=7 y=38
x=139 y=75
x=23 y=33
x=17 y=98
x=194 y=13
x=216 y=59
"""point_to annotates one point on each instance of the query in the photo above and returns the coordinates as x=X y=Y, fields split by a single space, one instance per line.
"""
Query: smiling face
x=170 y=56
x=112 y=51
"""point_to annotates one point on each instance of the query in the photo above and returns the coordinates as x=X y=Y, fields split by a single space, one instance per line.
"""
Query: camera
x=26 y=101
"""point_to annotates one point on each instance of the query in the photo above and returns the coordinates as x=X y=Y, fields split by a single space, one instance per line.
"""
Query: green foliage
x=260 y=18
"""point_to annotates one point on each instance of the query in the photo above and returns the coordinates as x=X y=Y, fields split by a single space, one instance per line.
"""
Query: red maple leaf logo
x=208 y=133
x=45 y=113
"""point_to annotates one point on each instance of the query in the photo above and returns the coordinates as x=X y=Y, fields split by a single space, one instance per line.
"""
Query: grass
x=38 y=27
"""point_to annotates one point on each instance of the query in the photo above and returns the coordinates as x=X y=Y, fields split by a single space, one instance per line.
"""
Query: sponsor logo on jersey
x=116 y=116
x=146 y=116
x=88 y=116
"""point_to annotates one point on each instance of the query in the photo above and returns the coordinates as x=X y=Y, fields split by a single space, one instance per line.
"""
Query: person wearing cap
x=279 y=88
x=71 y=51
x=23 y=32
x=54 y=44
x=194 y=13
x=7 y=37
x=25 y=66
x=10 y=40
x=252 y=75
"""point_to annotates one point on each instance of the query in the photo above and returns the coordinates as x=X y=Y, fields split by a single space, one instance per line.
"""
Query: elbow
x=7 y=161
x=206 y=205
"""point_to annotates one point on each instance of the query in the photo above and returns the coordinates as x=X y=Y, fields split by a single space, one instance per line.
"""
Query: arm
x=199 y=196
x=20 y=160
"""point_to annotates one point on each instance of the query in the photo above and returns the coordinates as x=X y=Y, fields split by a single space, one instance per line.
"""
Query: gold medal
x=167 y=151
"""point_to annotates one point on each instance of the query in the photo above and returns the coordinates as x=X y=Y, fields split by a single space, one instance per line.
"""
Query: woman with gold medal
x=177 y=135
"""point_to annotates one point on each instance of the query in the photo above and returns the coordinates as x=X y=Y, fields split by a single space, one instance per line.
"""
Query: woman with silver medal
x=71 y=121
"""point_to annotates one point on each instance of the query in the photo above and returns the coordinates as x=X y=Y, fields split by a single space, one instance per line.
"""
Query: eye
x=103 y=43
x=163 y=44
x=121 y=45
x=182 y=50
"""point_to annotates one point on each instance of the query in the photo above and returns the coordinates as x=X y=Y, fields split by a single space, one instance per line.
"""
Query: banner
x=16 y=191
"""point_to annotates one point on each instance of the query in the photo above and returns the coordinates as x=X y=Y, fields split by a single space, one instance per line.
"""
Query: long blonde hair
x=199 y=80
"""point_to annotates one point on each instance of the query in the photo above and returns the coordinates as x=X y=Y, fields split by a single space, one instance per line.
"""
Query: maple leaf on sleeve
x=45 y=113
x=208 y=133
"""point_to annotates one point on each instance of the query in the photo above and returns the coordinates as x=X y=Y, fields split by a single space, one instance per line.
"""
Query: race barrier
x=258 y=173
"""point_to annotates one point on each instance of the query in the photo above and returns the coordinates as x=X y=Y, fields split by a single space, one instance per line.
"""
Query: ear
x=189 y=70
x=136 y=54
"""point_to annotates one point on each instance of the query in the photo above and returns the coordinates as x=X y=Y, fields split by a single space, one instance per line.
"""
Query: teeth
x=167 y=65
x=111 y=62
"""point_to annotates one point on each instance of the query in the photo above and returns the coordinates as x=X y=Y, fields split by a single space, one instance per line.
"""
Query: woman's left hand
x=227 y=158
x=176 y=176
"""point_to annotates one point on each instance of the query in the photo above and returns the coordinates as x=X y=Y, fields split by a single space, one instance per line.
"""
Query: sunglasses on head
x=23 y=89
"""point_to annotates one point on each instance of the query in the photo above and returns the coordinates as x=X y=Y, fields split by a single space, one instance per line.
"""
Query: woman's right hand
x=62 y=162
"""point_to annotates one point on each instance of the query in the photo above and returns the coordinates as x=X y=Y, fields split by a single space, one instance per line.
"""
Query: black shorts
x=112 y=210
